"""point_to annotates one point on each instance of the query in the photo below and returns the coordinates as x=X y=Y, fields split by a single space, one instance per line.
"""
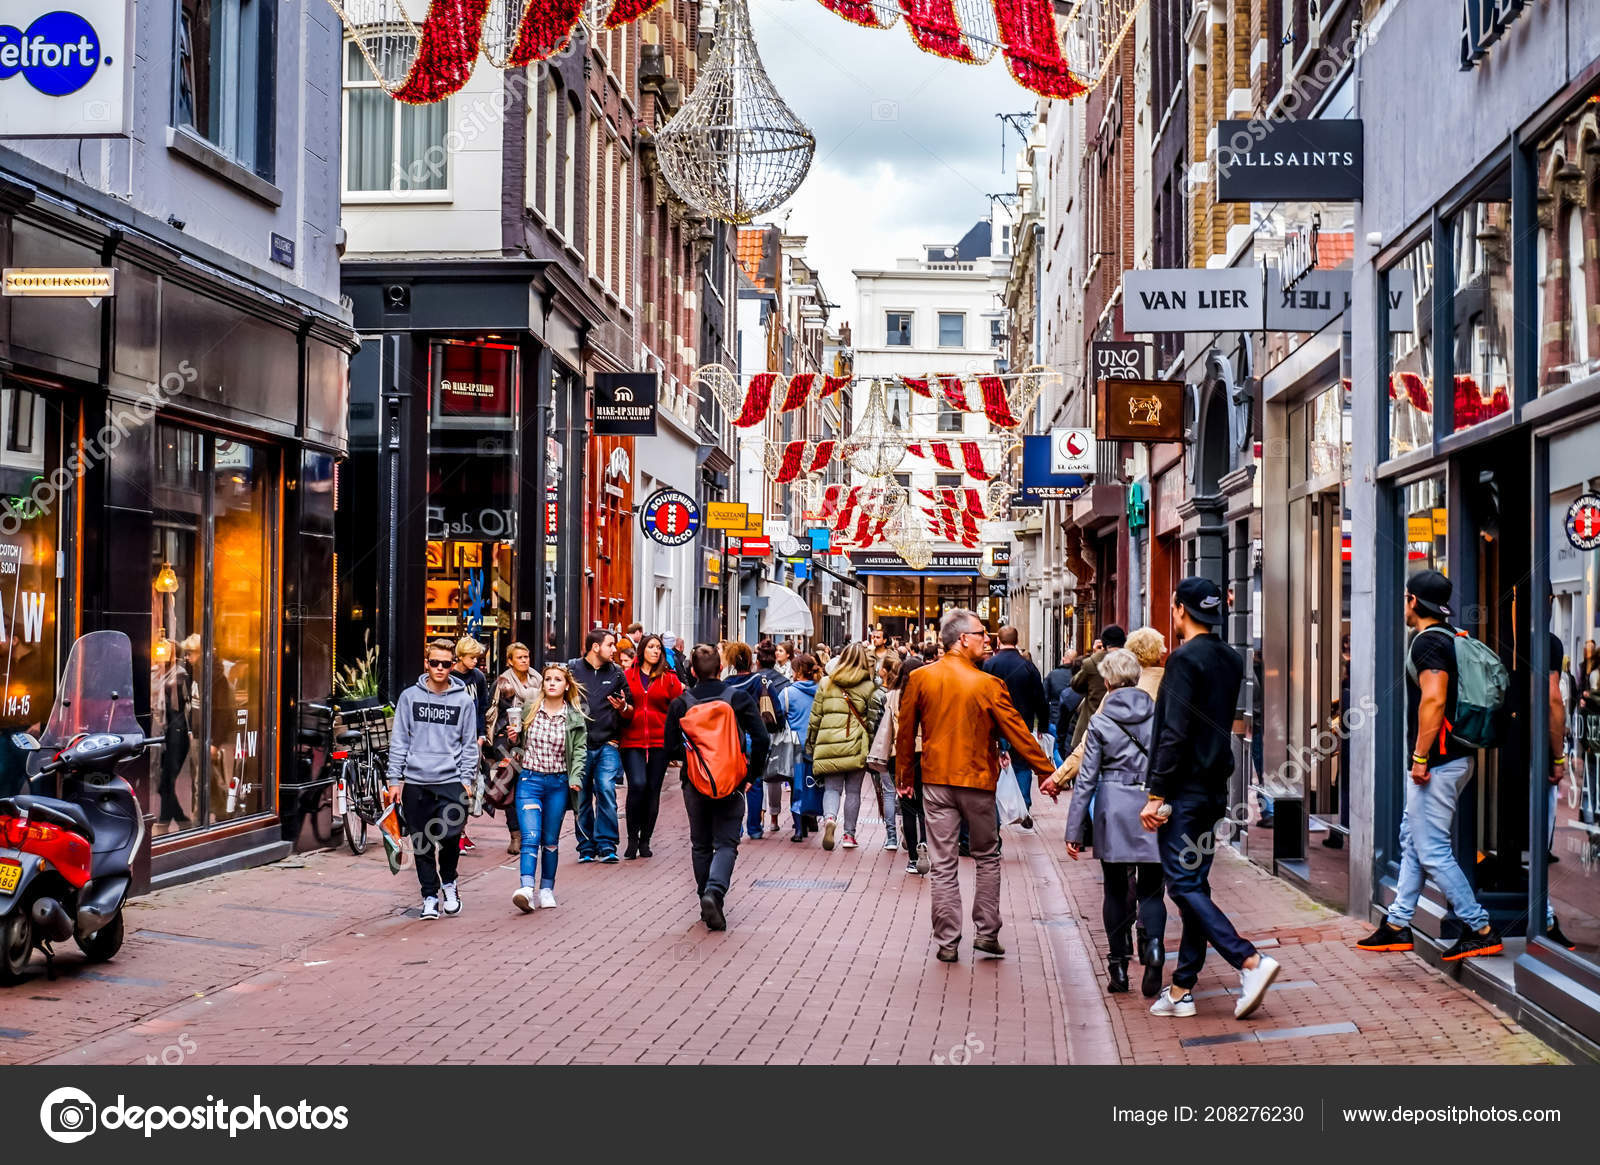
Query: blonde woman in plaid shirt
x=555 y=743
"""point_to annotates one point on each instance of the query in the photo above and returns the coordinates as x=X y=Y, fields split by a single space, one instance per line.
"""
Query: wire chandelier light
x=735 y=150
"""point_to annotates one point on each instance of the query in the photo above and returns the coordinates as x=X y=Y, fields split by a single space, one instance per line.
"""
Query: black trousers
x=913 y=829
x=645 y=769
x=1125 y=884
x=434 y=816
x=714 y=829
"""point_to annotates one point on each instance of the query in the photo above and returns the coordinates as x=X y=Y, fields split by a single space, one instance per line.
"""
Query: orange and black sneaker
x=1472 y=944
x=1387 y=938
x=1553 y=933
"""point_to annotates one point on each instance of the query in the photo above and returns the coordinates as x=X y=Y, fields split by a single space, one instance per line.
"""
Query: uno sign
x=63 y=72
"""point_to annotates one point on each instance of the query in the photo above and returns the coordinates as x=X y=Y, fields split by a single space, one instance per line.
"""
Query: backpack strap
x=851 y=704
x=1411 y=668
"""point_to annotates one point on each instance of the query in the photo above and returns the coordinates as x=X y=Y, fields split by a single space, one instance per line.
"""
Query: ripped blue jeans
x=541 y=804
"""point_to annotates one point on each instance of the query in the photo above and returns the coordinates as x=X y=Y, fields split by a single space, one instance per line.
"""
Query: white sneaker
x=430 y=908
x=891 y=844
x=547 y=898
x=1177 y=1008
x=452 y=899
x=525 y=899
x=1253 y=984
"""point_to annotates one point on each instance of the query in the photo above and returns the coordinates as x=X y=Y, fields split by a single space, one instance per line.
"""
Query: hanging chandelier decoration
x=735 y=150
x=876 y=445
x=420 y=63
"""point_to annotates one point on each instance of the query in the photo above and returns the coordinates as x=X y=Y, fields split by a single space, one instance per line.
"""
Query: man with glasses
x=433 y=757
x=960 y=711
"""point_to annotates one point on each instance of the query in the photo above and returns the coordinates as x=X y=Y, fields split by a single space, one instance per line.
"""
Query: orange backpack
x=714 y=757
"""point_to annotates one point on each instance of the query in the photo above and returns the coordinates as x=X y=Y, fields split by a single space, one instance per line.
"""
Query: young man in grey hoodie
x=433 y=756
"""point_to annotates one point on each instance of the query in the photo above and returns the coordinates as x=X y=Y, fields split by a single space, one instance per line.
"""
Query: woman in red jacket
x=652 y=686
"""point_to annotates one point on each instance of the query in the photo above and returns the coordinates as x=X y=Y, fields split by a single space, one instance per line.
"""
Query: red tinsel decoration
x=447 y=48
x=799 y=389
x=757 y=399
x=995 y=405
x=973 y=461
x=856 y=12
x=832 y=384
x=789 y=468
x=955 y=391
x=918 y=384
x=1032 y=47
x=822 y=455
x=941 y=454
x=625 y=11
x=547 y=26
x=975 y=502
x=935 y=29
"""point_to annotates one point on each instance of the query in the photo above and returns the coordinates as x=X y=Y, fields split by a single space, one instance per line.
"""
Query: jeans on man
x=753 y=804
x=1022 y=773
x=945 y=809
x=1427 y=847
x=713 y=837
x=597 y=802
x=434 y=817
x=1188 y=844
x=540 y=806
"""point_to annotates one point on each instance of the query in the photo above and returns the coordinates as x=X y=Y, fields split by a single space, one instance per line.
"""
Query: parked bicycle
x=343 y=753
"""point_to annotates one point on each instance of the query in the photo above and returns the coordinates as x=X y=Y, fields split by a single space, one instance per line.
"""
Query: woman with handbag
x=1110 y=791
x=515 y=690
x=555 y=746
x=652 y=686
x=805 y=796
x=844 y=718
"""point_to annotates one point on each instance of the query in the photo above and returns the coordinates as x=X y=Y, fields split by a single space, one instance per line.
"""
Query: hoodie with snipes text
x=435 y=735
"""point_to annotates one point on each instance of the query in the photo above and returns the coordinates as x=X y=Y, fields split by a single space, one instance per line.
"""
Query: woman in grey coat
x=1116 y=757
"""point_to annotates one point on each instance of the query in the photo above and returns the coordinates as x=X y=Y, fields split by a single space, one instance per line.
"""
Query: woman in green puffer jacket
x=844 y=718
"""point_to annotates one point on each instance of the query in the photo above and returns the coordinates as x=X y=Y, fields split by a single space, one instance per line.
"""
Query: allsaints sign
x=1269 y=161
x=1237 y=299
x=1482 y=23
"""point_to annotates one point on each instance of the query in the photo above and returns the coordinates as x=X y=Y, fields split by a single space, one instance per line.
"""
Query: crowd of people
x=927 y=732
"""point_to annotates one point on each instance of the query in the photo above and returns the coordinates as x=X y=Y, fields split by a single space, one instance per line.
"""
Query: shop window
x=1483 y=339
x=1574 y=843
x=211 y=629
x=1410 y=284
x=951 y=419
x=390 y=147
x=1327 y=448
x=1568 y=267
x=1427 y=527
x=30 y=571
x=225 y=77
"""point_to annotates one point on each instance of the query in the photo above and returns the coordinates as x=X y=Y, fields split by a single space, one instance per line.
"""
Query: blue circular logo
x=56 y=55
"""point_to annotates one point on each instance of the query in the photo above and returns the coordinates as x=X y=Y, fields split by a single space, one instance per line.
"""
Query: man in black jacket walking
x=605 y=695
x=714 y=823
x=1026 y=689
x=1192 y=760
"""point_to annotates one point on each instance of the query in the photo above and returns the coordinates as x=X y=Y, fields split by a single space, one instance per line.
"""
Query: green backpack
x=1481 y=683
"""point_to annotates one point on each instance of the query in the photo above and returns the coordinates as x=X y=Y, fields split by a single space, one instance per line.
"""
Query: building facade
x=184 y=424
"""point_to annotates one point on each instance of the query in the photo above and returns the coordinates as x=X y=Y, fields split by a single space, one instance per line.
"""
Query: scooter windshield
x=96 y=690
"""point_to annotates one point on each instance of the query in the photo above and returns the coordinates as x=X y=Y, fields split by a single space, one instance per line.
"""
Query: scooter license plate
x=10 y=875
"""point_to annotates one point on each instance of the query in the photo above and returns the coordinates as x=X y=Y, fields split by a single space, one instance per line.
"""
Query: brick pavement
x=827 y=960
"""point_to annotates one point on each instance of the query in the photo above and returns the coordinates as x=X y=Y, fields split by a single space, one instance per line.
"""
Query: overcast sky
x=908 y=145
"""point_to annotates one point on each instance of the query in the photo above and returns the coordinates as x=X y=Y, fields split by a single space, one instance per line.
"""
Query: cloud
x=908 y=145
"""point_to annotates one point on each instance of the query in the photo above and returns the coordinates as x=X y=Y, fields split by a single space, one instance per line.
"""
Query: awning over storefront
x=786 y=613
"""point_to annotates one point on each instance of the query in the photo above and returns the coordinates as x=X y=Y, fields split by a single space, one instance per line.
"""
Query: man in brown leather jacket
x=961 y=711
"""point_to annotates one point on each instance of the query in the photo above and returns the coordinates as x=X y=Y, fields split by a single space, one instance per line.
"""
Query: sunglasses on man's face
x=440 y=662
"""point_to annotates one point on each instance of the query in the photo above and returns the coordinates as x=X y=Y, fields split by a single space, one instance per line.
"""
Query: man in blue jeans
x=1440 y=768
x=605 y=694
x=1190 y=767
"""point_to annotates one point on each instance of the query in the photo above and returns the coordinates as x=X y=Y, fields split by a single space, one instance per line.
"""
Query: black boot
x=1152 y=953
x=1117 y=971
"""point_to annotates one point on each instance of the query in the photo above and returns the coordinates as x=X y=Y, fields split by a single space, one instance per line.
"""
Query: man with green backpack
x=1455 y=687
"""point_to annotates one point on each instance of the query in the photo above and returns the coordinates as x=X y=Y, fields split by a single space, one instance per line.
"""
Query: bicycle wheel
x=355 y=822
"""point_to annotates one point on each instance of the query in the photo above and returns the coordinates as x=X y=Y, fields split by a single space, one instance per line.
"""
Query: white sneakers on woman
x=525 y=899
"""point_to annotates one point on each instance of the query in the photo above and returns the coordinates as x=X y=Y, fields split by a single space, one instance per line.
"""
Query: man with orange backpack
x=706 y=731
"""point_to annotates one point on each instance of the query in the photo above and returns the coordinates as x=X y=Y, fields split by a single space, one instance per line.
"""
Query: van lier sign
x=62 y=68
x=1271 y=161
x=1237 y=299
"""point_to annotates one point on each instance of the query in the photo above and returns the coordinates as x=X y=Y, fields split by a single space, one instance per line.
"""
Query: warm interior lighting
x=167 y=579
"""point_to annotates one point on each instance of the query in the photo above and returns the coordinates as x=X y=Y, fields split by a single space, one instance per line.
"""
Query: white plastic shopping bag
x=1008 y=797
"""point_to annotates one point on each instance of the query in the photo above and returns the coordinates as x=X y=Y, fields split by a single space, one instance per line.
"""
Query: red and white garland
x=453 y=34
